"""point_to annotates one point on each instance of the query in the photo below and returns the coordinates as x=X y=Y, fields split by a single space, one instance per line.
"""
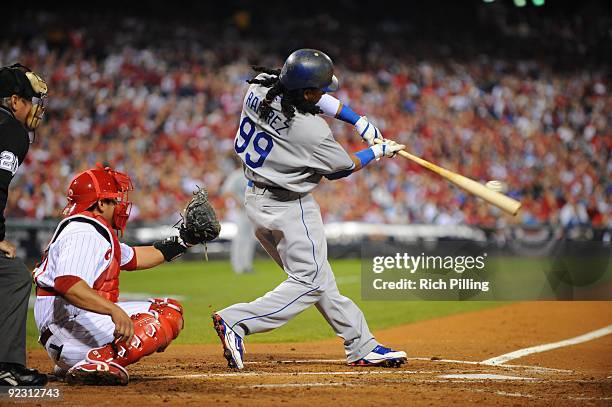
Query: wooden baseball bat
x=500 y=200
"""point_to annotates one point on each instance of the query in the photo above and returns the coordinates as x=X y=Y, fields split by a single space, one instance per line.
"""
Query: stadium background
x=489 y=89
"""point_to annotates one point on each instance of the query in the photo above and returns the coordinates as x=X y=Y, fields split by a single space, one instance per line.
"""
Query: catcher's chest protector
x=107 y=284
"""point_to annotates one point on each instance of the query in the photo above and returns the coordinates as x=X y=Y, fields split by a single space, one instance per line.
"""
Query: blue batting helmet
x=309 y=68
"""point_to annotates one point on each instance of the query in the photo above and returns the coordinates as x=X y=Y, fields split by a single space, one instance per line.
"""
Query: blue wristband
x=365 y=156
x=348 y=115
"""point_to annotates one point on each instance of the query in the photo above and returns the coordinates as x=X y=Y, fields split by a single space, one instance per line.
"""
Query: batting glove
x=387 y=148
x=367 y=130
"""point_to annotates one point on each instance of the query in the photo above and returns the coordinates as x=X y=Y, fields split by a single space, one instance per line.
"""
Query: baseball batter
x=286 y=149
x=88 y=334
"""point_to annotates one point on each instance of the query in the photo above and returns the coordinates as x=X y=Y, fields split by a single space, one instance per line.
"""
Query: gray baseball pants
x=290 y=228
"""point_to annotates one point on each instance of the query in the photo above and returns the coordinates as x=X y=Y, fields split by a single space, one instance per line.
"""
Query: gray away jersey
x=292 y=155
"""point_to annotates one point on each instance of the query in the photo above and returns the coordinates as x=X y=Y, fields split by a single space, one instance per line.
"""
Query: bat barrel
x=495 y=198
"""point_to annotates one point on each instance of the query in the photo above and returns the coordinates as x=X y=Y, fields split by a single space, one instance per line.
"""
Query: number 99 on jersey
x=260 y=147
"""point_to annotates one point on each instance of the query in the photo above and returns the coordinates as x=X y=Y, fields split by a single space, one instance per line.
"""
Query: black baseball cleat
x=14 y=374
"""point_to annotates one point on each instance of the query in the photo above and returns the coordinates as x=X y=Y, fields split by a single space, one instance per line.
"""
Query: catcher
x=90 y=336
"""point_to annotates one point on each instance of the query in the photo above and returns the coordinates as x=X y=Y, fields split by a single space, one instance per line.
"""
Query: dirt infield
x=443 y=366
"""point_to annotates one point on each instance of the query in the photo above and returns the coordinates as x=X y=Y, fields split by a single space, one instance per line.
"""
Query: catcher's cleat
x=233 y=346
x=381 y=356
x=97 y=374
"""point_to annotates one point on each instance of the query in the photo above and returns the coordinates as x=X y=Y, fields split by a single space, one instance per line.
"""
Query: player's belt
x=45 y=292
x=265 y=186
x=278 y=193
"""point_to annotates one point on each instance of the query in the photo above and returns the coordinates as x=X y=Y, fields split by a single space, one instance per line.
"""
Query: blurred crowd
x=164 y=106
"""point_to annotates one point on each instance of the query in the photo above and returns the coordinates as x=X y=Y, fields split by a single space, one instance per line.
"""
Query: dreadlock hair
x=290 y=100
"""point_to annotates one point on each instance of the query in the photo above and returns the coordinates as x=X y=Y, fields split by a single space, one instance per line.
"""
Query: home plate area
x=420 y=381
x=519 y=354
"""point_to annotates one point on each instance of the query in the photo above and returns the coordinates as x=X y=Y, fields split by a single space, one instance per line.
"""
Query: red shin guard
x=153 y=332
x=170 y=314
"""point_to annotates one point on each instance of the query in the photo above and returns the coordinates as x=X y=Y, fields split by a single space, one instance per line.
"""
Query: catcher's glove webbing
x=200 y=223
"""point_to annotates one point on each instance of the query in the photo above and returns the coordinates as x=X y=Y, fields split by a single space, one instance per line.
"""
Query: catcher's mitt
x=199 y=224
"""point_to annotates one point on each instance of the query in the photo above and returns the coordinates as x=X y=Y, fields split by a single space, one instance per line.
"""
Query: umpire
x=22 y=98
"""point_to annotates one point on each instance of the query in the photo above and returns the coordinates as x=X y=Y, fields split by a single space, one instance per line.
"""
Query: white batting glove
x=388 y=148
x=367 y=130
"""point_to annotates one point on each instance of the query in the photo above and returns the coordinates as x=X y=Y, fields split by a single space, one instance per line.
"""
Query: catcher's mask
x=21 y=81
x=100 y=183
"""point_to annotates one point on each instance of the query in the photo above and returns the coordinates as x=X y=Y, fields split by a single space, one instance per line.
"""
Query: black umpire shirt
x=14 y=145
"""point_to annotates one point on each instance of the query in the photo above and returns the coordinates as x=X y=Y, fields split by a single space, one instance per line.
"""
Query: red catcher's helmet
x=100 y=183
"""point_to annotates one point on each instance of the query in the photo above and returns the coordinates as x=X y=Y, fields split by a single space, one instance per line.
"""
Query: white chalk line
x=589 y=336
x=505 y=393
x=484 y=376
x=527 y=395
x=262 y=374
x=470 y=362
x=533 y=380
x=343 y=384
x=536 y=369
x=467 y=362
x=502 y=393
x=283 y=385
x=429 y=381
x=344 y=373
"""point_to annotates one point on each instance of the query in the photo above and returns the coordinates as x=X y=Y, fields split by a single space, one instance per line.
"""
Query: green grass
x=211 y=286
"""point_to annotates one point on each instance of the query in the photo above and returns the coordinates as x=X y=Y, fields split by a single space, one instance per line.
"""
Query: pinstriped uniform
x=79 y=250
x=291 y=158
